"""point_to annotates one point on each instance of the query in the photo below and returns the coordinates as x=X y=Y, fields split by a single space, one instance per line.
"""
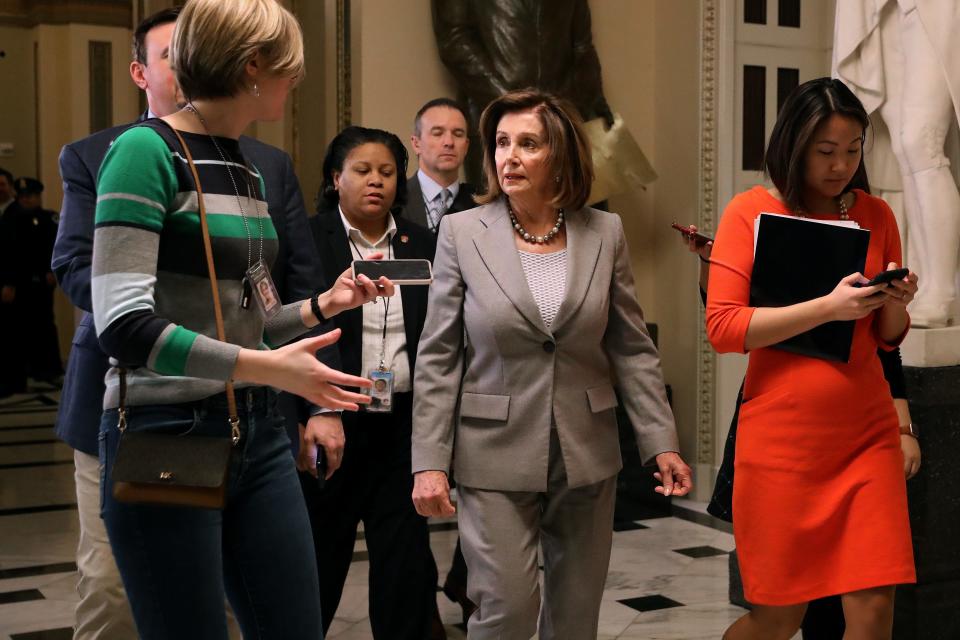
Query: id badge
x=259 y=285
x=381 y=393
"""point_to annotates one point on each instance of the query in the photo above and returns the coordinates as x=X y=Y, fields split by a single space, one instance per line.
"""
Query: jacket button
x=549 y=346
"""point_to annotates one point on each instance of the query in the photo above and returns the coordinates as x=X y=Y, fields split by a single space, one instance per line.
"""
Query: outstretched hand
x=295 y=368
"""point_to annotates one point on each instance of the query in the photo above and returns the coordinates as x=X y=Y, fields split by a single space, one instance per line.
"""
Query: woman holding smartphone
x=368 y=454
x=820 y=499
x=824 y=617
x=154 y=308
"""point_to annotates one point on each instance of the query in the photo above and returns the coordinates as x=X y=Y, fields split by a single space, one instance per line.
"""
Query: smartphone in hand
x=399 y=271
x=698 y=238
x=886 y=277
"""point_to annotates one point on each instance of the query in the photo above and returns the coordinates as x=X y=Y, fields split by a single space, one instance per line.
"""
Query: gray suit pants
x=500 y=532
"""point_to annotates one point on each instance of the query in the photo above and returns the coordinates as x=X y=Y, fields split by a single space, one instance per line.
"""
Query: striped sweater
x=151 y=293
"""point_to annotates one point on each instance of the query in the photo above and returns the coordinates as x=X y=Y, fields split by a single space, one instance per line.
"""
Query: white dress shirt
x=431 y=195
x=395 y=348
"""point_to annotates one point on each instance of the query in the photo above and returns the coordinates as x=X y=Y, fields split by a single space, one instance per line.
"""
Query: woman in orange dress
x=820 y=505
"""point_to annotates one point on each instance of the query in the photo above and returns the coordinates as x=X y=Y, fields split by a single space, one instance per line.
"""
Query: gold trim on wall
x=706 y=358
x=344 y=74
x=100 y=55
x=30 y=13
x=294 y=102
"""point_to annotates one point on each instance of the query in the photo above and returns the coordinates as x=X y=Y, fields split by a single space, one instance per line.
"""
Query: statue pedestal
x=927 y=610
x=931 y=348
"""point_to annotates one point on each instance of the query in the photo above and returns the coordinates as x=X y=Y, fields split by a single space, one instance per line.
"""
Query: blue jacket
x=296 y=272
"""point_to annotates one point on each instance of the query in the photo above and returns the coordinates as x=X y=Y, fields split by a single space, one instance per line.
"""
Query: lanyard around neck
x=386 y=300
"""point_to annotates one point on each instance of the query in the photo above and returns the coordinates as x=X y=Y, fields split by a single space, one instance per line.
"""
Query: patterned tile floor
x=667 y=579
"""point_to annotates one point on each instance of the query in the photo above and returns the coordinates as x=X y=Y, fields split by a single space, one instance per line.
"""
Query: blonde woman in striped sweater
x=235 y=61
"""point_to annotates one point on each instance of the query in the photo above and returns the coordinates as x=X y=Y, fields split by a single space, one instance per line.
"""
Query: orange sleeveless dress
x=819 y=502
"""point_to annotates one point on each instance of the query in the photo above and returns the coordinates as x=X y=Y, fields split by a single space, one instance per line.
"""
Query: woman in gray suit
x=532 y=321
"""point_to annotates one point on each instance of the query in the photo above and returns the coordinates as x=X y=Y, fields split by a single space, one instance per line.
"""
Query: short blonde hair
x=215 y=39
x=569 y=157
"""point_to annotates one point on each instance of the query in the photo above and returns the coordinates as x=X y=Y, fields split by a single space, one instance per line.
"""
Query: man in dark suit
x=440 y=141
x=103 y=611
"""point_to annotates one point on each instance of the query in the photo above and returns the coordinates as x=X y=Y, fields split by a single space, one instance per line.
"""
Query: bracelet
x=315 y=308
x=702 y=259
x=908 y=430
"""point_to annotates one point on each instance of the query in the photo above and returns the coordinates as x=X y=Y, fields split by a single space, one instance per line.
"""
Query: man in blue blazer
x=103 y=611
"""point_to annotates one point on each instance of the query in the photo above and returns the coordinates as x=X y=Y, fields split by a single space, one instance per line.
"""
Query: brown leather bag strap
x=214 y=289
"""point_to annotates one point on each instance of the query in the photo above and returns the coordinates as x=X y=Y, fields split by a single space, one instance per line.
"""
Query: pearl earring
x=256 y=90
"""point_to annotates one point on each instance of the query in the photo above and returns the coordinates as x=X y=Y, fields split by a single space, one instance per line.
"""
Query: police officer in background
x=31 y=346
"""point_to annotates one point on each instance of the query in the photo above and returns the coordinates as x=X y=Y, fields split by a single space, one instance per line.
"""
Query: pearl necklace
x=529 y=237
x=840 y=205
x=843 y=208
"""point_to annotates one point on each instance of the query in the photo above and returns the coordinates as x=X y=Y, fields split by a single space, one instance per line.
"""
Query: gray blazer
x=490 y=374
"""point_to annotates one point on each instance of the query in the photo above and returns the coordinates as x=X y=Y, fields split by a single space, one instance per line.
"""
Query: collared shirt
x=431 y=195
x=394 y=349
x=4 y=205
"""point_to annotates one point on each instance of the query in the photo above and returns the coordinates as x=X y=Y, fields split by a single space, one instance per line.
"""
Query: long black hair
x=348 y=140
x=807 y=106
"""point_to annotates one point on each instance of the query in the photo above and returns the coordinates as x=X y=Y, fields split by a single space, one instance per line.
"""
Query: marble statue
x=902 y=59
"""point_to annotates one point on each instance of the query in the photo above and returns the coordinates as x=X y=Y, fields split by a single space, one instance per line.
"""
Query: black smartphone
x=402 y=271
x=699 y=238
x=321 y=467
x=886 y=277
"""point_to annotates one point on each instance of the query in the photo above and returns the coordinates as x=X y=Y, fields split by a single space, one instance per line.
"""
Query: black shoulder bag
x=191 y=471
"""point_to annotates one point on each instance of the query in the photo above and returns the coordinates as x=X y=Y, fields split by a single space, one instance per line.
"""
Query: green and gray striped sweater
x=151 y=293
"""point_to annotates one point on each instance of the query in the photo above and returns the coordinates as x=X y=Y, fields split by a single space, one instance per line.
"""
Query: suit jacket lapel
x=464 y=199
x=415 y=210
x=498 y=251
x=414 y=298
x=583 y=252
x=337 y=239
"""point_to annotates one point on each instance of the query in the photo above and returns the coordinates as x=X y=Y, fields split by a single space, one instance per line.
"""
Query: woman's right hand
x=431 y=494
x=849 y=302
x=703 y=250
x=321 y=431
x=346 y=294
x=295 y=368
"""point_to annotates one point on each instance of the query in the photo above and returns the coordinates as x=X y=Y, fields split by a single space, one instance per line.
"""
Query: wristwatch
x=908 y=430
x=315 y=308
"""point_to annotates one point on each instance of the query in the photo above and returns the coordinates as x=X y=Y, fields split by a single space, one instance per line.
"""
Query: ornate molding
x=30 y=13
x=294 y=102
x=706 y=358
x=344 y=71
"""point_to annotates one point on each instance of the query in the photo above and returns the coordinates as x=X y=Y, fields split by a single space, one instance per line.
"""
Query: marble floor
x=667 y=579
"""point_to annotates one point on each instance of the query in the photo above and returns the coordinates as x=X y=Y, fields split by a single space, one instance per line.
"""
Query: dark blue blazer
x=296 y=272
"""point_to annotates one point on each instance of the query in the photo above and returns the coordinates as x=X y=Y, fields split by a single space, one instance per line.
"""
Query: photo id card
x=381 y=393
x=263 y=290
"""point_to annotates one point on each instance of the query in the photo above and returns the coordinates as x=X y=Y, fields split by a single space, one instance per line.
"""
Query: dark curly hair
x=348 y=140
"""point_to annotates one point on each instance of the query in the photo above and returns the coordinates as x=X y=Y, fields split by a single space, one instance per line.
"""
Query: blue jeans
x=177 y=563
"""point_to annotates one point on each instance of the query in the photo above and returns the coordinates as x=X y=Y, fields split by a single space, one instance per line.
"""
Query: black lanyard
x=386 y=300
